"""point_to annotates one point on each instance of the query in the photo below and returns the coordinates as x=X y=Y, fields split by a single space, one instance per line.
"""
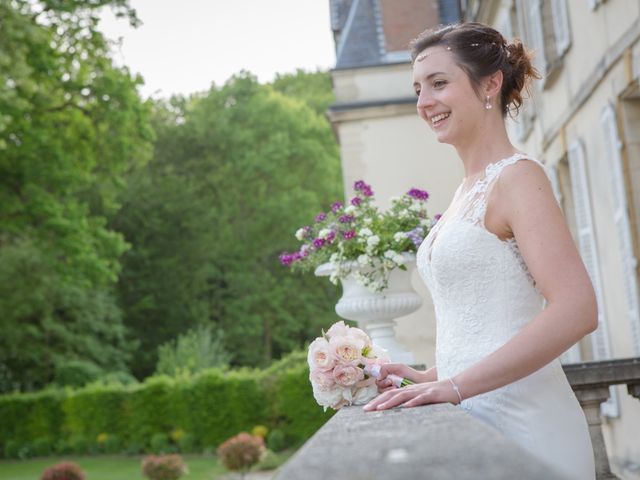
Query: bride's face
x=446 y=98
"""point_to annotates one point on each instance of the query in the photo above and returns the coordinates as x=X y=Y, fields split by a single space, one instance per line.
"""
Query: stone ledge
x=603 y=373
x=435 y=441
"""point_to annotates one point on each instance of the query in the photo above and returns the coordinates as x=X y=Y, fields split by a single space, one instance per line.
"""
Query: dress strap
x=475 y=204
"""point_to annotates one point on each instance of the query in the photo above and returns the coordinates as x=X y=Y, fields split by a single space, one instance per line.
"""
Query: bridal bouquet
x=359 y=239
x=344 y=365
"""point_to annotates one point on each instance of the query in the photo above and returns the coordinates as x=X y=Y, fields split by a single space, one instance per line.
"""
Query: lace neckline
x=487 y=171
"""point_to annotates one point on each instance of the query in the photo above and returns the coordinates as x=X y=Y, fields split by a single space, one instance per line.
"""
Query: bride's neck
x=489 y=145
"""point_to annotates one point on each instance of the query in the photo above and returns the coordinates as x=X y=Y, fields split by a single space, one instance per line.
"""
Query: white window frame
x=589 y=252
x=561 y=29
x=613 y=157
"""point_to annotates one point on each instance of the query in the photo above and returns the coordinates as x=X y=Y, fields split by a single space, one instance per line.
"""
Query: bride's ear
x=493 y=84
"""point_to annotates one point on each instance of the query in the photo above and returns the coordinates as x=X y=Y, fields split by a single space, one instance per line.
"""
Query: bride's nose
x=425 y=103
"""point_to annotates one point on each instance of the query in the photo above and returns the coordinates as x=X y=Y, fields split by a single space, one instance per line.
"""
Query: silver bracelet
x=455 y=387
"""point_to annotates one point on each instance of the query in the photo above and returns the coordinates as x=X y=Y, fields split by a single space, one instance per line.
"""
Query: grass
x=121 y=467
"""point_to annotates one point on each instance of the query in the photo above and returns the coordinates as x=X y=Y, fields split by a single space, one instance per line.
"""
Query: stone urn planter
x=376 y=312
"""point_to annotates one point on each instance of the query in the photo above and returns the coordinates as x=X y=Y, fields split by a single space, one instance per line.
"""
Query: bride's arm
x=526 y=200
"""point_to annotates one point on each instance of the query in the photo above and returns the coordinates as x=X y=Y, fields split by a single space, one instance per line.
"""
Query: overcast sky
x=184 y=45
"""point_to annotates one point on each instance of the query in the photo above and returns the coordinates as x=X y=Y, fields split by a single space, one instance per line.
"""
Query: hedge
x=194 y=413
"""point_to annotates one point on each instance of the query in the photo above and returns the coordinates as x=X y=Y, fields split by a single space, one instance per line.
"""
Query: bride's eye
x=439 y=84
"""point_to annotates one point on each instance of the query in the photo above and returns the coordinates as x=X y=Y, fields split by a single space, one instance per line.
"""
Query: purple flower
x=336 y=206
x=418 y=194
x=320 y=217
x=346 y=219
x=437 y=217
x=416 y=236
x=331 y=236
x=319 y=243
x=356 y=201
x=367 y=192
x=360 y=185
x=349 y=234
x=286 y=259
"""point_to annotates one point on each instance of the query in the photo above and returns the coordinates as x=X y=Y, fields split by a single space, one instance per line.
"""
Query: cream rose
x=346 y=349
x=328 y=398
x=320 y=355
x=365 y=394
x=347 y=375
x=322 y=379
x=360 y=334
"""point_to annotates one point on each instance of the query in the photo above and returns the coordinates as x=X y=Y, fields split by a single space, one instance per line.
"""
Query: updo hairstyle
x=481 y=51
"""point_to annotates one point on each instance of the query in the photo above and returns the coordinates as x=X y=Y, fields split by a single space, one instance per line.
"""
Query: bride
x=501 y=249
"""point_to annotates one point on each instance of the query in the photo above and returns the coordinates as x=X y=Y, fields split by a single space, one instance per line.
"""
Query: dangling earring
x=488 y=105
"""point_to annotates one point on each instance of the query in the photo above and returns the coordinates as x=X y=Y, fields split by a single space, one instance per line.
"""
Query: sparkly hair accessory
x=422 y=56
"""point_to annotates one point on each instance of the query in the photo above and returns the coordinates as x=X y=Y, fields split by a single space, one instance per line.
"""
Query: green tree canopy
x=235 y=172
x=71 y=124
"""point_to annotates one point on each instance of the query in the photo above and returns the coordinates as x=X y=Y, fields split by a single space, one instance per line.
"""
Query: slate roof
x=357 y=28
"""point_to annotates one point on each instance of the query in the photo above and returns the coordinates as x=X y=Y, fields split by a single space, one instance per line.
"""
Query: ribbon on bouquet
x=397 y=381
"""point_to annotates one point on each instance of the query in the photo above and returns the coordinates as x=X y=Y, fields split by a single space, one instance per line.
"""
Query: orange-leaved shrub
x=242 y=451
x=63 y=471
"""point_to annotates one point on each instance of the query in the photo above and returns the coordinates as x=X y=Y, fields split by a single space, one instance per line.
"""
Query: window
x=545 y=26
x=588 y=251
x=621 y=218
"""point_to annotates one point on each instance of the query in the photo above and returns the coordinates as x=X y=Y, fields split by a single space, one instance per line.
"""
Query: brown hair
x=481 y=51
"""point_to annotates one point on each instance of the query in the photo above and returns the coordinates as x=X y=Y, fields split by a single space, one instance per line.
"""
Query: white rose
x=300 y=233
x=373 y=240
x=328 y=398
x=365 y=394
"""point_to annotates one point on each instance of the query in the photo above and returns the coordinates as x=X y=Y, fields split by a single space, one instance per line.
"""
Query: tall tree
x=235 y=172
x=71 y=124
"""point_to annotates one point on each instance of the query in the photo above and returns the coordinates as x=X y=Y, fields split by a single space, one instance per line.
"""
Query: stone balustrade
x=444 y=442
x=590 y=382
x=435 y=441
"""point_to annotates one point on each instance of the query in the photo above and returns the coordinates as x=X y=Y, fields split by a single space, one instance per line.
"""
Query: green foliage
x=71 y=124
x=76 y=373
x=164 y=414
x=313 y=88
x=276 y=440
x=193 y=351
x=228 y=167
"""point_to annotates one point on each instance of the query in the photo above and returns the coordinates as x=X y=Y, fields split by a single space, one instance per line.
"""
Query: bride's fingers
x=390 y=399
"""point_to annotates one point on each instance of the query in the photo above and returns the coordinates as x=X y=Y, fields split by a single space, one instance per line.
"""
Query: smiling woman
x=509 y=288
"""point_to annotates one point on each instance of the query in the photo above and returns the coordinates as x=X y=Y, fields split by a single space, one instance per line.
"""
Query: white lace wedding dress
x=483 y=295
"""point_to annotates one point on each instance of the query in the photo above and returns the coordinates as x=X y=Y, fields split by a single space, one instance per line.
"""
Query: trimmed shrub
x=276 y=440
x=42 y=447
x=79 y=444
x=164 y=467
x=63 y=471
x=241 y=452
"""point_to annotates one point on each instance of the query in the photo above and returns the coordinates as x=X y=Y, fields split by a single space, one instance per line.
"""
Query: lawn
x=108 y=467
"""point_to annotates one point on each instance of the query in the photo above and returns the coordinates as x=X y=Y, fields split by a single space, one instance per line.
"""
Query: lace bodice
x=482 y=291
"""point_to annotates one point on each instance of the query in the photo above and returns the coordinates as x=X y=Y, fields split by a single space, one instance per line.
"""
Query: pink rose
x=347 y=375
x=347 y=349
x=338 y=329
x=322 y=379
x=365 y=394
x=320 y=355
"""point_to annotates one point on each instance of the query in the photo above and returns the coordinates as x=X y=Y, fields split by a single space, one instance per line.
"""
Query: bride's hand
x=402 y=370
x=419 y=394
